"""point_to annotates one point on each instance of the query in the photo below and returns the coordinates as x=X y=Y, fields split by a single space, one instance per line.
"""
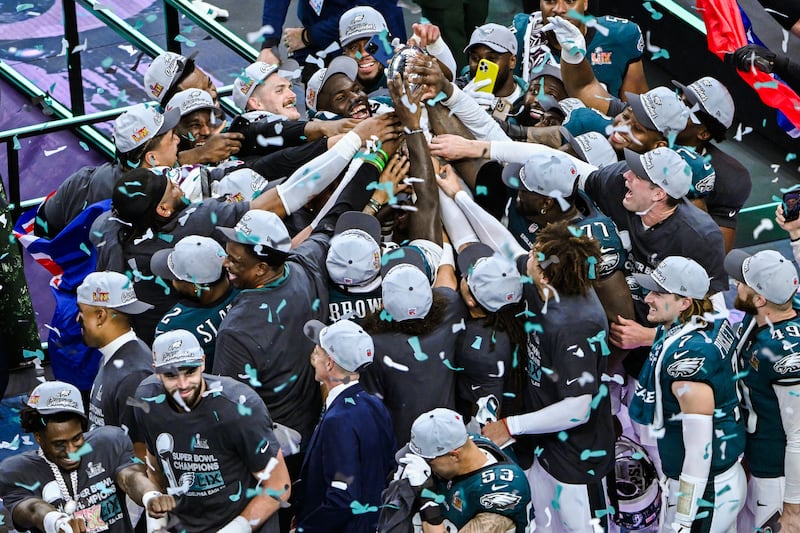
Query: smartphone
x=487 y=70
x=239 y=125
x=380 y=48
x=791 y=205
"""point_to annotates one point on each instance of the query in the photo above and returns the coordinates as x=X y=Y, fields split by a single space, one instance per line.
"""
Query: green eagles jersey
x=769 y=357
x=704 y=356
x=500 y=488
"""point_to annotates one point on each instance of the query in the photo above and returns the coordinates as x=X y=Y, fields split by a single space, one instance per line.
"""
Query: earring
x=543 y=211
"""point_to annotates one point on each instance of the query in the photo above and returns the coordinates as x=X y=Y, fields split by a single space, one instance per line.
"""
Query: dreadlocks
x=570 y=258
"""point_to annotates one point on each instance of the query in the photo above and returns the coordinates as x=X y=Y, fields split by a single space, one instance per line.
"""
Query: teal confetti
x=252 y=493
x=592 y=260
x=637 y=455
x=315 y=305
x=214 y=218
x=85 y=249
x=533 y=326
x=31 y=488
x=476 y=344
x=419 y=355
x=538 y=451
x=216 y=416
x=107 y=62
x=557 y=495
x=429 y=494
x=24 y=7
x=358 y=56
x=385 y=315
x=449 y=365
x=243 y=409
x=610 y=510
x=284 y=385
x=260 y=444
x=13 y=445
x=137 y=460
x=362 y=508
x=723 y=490
x=481 y=190
x=602 y=392
x=252 y=374
x=27 y=354
x=17 y=146
x=83 y=450
x=350 y=401
x=156 y=399
x=162 y=283
x=576 y=232
x=391 y=256
x=653 y=13
x=586 y=454
x=238 y=495
x=188 y=42
x=563 y=436
x=151 y=18
x=438 y=98
x=509 y=395
x=600 y=339
x=661 y=53
x=84 y=146
x=166 y=237
x=765 y=85
x=700 y=516
x=791 y=156
x=280 y=307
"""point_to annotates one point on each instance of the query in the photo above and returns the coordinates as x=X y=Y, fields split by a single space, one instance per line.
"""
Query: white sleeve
x=698 y=432
x=489 y=230
x=458 y=227
x=519 y=152
x=474 y=117
x=313 y=177
x=442 y=52
x=789 y=403
x=795 y=250
x=564 y=414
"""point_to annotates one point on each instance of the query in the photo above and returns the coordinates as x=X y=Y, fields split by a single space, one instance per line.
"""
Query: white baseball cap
x=677 y=275
x=345 y=341
x=112 y=290
x=437 y=432
x=263 y=230
x=664 y=167
x=174 y=349
x=659 y=109
x=246 y=82
x=190 y=100
x=767 y=272
x=140 y=123
x=339 y=65
x=194 y=258
x=496 y=36
x=354 y=255
x=549 y=174
x=358 y=23
x=593 y=147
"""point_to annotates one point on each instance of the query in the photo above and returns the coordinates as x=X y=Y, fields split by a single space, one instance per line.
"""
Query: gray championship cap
x=263 y=230
x=550 y=174
x=194 y=258
x=140 y=123
x=354 y=255
x=339 y=65
x=495 y=36
x=712 y=97
x=492 y=279
x=676 y=275
x=360 y=22
x=53 y=397
x=246 y=82
x=659 y=109
x=767 y=272
x=346 y=342
x=406 y=292
x=174 y=349
x=664 y=167
x=436 y=433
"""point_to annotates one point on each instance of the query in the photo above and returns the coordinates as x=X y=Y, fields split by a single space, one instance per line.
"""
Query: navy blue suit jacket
x=352 y=445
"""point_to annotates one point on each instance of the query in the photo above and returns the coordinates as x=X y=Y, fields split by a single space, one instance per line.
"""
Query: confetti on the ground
x=185 y=40
x=48 y=153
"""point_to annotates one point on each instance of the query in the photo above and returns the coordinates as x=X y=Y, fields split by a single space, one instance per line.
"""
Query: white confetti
x=48 y=153
x=341 y=485
x=333 y=47
x=254 y=36
x=391 y=364
x=501 y=370
x=53 y=329
x=267 y=141
x=741 y=132
x=316 y=61
x=129 y=48
x=592 y=23
x=119 y=363
x=459 y=326
x=764 y=225
x=81 y=47
x=775 y=168
x=64 y=47
x=616 y=378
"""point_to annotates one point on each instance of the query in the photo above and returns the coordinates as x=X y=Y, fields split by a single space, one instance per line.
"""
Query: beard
x=745 y=305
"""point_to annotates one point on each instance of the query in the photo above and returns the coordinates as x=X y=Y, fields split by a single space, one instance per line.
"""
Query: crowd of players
x=520 y=277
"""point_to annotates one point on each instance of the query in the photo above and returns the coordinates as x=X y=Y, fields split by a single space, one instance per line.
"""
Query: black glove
x=753 y=55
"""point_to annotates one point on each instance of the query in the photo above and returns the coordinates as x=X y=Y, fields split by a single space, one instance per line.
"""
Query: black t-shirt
x=101 y=501
x=212 y=451
x=565 y=359
x=688 y=232
x=731 y=188
x=264 y=330
x=116 y=381
x=411 y=373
